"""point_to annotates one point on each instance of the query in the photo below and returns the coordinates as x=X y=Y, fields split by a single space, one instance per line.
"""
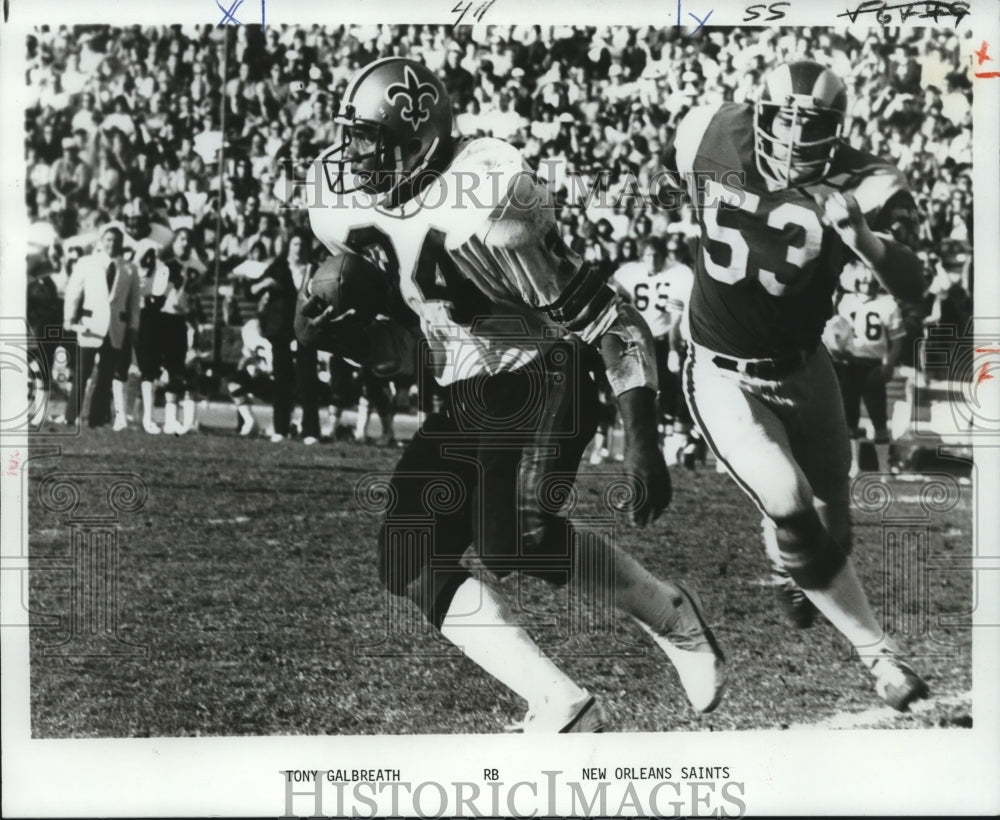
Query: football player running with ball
x=783 y=204
x=468 y=238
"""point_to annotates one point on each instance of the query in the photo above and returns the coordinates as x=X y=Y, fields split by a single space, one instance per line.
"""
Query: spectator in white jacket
x=101 y=306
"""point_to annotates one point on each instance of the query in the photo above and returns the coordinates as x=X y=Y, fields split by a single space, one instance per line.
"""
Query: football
x=347 y=281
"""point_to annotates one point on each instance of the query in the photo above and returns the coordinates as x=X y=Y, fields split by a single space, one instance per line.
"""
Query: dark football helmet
x=395 y=120
x=798 y=119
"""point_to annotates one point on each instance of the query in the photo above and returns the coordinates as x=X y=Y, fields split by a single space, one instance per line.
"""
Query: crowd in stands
x=138 y=118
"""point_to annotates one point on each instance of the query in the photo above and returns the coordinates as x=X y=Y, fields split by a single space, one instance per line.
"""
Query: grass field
x=249 y=577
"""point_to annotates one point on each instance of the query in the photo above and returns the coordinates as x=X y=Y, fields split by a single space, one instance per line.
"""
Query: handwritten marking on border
x=983 y=375
x=229 y=16
x=932 y=9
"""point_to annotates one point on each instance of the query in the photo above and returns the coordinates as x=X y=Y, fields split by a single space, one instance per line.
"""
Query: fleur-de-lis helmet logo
x=412 y=91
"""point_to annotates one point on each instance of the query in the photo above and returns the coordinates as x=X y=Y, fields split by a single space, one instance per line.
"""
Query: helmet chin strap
x=402 y=191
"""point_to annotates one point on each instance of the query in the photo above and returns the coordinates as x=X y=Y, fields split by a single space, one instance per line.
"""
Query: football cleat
x=896 y=682
x=151 y=427
x=798 y=610
x=691 y=647
x=584 y=716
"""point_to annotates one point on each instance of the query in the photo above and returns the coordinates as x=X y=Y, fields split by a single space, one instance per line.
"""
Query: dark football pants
x=860 y=379
x=173 y=346
x=492 y=472
x=673 y=406
x=149 y=344
x=295 y=374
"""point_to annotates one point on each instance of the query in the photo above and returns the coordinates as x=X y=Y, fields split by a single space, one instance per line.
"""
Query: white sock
x=146 y=388
x=361 y=426
x=855 y=450
x=187 y=408
x=595 y=454
x=846 y=606
x=118 y=397
x=246 y=415
x=170 y=414
x=479 y=624
x=675 y=443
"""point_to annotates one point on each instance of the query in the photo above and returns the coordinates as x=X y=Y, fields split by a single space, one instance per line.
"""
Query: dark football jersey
x=767 y=265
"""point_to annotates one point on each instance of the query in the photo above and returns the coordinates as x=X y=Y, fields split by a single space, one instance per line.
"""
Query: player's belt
x=765 y=369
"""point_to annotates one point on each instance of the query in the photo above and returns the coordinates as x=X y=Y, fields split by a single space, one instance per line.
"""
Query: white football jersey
x=875 y=322
x=478 y=258
x=660 y=297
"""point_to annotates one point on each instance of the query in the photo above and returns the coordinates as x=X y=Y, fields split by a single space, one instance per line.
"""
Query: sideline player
x=866 y=365
x=503 y=303
x=783 y=203
x=659 y=286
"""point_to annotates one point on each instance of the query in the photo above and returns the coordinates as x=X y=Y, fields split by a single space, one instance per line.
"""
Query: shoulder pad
x=512 y=205
x=484 y=154
x=690 y=132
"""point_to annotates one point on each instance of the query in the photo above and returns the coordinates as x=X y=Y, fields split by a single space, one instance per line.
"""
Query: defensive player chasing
x=469 y=238
x=783 y=203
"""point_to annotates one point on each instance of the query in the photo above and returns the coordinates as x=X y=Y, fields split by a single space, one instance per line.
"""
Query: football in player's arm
x=783 y=204
x=473 y=265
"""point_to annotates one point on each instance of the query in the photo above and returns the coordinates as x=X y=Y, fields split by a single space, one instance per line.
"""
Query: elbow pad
x=636 y=364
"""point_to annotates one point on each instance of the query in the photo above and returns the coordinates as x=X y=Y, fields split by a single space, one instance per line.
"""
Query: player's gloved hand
x=648 y=474
x=318 y=325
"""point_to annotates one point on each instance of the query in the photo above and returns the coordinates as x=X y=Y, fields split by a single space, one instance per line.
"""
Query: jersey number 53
x=772 y=247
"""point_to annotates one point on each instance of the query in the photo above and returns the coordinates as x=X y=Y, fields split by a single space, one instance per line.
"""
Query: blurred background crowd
x=197 y=130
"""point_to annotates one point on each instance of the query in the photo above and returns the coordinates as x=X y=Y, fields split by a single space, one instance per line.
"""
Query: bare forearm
x=895 y=265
